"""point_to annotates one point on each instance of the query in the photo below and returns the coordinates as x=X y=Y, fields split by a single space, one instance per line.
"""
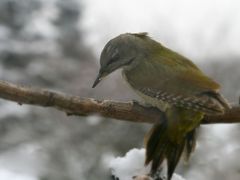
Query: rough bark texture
x=74 y=105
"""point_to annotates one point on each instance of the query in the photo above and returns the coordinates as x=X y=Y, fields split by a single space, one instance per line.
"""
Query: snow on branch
x=131 y=166
x=74 y=105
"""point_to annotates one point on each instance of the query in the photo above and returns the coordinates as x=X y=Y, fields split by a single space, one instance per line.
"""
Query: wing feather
x=202 y=103
x=176 y=80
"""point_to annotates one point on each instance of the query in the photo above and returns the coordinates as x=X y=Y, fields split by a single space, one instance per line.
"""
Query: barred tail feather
x=190 y=143
x=173 y=154
x=159 y=147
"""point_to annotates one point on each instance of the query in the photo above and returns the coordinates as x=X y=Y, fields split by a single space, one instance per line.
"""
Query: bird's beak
x=98 y=79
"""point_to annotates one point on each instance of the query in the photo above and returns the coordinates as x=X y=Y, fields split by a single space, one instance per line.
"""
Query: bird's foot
x=141 y=103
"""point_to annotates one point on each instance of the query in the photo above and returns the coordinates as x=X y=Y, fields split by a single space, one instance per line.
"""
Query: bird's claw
x=138 y=103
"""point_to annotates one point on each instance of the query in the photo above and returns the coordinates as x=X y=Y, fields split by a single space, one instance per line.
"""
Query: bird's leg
x=141 y=103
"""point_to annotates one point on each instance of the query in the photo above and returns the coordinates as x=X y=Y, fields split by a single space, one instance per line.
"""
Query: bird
x=170 y=82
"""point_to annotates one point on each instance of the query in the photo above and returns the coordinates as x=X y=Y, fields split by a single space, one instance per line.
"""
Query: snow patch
x=132 y=164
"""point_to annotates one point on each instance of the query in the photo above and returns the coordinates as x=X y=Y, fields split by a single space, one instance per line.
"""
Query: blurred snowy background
x=56 y=44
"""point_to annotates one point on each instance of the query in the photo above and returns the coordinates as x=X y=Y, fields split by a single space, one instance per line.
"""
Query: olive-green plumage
x=169 y=81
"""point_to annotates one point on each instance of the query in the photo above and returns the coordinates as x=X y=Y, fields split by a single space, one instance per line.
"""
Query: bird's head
x=120 y=52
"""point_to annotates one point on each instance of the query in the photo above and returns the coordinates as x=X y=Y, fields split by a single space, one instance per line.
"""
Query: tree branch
x=74 y=105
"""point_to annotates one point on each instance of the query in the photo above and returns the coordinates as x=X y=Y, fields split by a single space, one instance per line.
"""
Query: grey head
x=120 y=52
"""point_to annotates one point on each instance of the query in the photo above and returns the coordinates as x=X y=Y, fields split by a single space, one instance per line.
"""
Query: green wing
x=173 y=78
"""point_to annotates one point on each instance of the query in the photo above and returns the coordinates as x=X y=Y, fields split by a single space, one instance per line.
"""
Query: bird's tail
x=159 y=147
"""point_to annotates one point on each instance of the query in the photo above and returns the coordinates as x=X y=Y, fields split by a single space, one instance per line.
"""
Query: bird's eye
x=115 y=53
x=111 y=61
x=114 y=57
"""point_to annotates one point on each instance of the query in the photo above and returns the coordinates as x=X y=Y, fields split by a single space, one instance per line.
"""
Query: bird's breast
x=147 y=99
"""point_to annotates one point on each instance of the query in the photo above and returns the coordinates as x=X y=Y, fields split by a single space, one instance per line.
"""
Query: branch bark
x=74 y=105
